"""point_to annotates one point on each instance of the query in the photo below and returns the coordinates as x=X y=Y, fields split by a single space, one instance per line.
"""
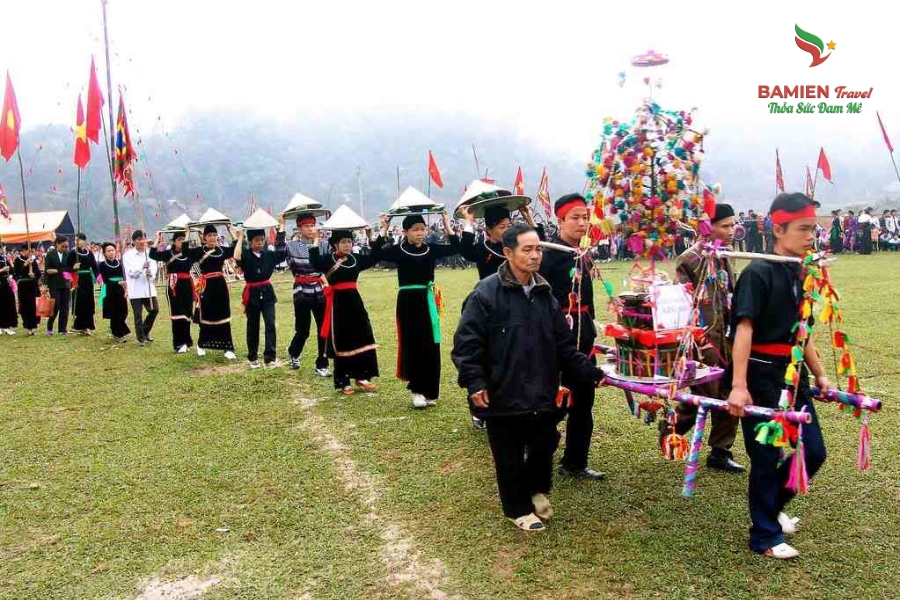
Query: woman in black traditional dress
x=418 y=304
x=180 y=290
x=27 y=275
x=113 y=293
x=85 y=267
x=215 y=303
x=347 y=329
x=8 y=319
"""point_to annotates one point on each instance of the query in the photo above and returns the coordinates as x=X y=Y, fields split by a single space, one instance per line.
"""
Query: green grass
x=119 y=463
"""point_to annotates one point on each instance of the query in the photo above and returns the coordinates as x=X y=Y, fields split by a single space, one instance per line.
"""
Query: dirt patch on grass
x=185 y=588
x=406 y=567
x=219 y=370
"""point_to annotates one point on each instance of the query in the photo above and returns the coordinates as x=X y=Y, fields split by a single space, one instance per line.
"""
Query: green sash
x=103 y=288
x=432 y=308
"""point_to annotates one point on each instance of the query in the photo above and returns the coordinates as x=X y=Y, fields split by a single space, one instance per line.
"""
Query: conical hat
x=344 y=218
x=478 y=190
x=259 y=220
x=179 y=223
x=300 y=203
x=481 y=195
x=411 y=198
x=213 y=217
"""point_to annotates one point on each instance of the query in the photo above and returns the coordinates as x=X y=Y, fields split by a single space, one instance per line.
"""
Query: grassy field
x=125 y=469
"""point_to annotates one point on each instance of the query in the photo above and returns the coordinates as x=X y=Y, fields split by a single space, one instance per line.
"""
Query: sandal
x=366 y=385
x=529 y=523
x=347 y=391
x=542 y=507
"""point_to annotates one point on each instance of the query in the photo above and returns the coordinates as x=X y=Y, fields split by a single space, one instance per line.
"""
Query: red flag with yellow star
x=519 y=184
x=10 y=122
x=82 y=148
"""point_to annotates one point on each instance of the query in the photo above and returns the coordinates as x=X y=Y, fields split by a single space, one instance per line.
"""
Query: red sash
x=249 y=285
x=306 y=279
x=205 y=276
x=782 y=350
x=173 y=281
x=329 y=303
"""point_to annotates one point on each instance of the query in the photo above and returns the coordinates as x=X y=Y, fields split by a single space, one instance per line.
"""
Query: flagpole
x=477 y=168
x=894 y=162
x=24 y=202
x=398 y=180
x=78 y=202
x=112 y=131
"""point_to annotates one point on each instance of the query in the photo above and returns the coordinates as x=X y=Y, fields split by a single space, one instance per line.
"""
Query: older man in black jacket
x=510 y=346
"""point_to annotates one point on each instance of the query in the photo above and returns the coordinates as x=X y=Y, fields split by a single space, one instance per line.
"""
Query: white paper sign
x=671 y=306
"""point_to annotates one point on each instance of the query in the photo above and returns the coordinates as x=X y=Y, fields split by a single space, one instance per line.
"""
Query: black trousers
x=267 y=310
x=60 y=309
x=303 y=314
x=767 y=494
x=519 y=477
x=143 y=326
x=579 y=424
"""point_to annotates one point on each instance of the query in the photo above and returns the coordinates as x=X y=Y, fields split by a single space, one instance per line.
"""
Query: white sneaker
x=782 y=551
x=430 y=402
x=323 y=372
x=230 y=355
x=10 y=332
x=788 y=524
x=182 y=349
x=201 y=351
x=418 y=401
x=254 y=364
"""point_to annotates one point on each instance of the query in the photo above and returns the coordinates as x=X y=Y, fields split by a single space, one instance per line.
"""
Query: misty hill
x=219 y=159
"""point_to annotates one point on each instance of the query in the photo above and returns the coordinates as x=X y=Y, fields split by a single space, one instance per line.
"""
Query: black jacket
x=52 y=261
x=514 y=346
x=557 y=267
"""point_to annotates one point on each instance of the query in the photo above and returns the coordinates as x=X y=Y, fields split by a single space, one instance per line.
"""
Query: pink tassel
x=798 y=482
x=863 y=460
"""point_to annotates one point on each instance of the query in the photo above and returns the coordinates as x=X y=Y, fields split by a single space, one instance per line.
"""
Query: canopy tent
x=43 y=227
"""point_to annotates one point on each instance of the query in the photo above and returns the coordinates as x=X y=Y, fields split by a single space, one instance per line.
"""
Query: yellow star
x=831 y=45
x=81 y=132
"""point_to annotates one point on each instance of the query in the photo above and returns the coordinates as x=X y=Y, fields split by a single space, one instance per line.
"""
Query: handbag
x=45 y=306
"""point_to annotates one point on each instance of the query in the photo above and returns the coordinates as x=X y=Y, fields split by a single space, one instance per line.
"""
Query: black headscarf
x=495 y=214
x=339 y=234
x=723 y=211
x=412 y=220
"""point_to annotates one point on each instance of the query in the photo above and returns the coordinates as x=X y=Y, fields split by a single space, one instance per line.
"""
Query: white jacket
x=139 y=285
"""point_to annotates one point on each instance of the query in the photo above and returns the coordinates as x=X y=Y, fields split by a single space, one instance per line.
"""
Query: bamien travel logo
x=813 y=44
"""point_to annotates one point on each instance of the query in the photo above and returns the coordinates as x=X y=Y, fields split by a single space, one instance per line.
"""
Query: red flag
x=272 y=230
x=519 y=185
x=82 y=148
x=779 y=177
x=433 y=171
x=809 y=183
x=490 y=181
x=10 y=122
x=823 y=164
x=887 y=140
x=124 y=151
x=543 y=193
x=94 y=106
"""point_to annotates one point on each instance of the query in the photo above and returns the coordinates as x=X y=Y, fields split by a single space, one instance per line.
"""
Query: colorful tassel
x=798 y=482
x=863 y=459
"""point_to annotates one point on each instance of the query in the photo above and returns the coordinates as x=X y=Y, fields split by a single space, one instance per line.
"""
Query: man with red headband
x=309 y=298
x=765 y=309
x=573 y=289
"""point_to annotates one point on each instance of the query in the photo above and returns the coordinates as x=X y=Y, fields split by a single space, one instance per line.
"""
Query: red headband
x=563 y=210
x=781 y=217
x=307 y=220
